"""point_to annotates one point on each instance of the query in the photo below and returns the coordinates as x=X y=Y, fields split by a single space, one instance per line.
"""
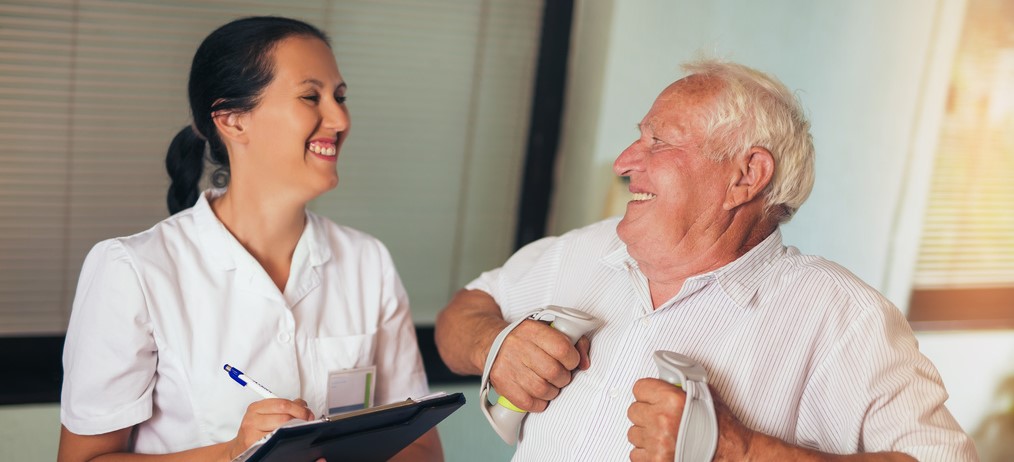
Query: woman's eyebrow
x=319 y=84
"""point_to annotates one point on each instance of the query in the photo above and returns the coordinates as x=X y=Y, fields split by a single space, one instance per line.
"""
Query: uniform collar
x=314 y=237
x=216 y=241
x=226 y=253
x=739 y=279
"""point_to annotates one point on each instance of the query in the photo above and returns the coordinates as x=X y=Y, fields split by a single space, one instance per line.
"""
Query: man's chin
x=623 y=229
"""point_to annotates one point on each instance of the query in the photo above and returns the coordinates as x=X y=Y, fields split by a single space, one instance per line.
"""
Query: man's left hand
x=656 y=413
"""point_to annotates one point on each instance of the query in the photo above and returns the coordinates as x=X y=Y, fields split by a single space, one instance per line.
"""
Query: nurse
x=240 y=274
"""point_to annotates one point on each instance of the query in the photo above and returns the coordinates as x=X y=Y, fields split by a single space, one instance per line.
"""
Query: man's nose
x=629 y=160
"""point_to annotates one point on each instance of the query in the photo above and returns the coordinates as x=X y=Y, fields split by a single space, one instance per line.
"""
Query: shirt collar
x=216 y=241
x=315 y=239
x=618 y=258
x=739 y=279
x=227 y=253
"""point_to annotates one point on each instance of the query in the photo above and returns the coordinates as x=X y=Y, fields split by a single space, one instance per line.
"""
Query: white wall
x=872 y=75
x=856 y=65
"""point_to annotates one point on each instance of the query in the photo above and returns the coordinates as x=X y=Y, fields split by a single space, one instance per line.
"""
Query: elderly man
x=804 y=359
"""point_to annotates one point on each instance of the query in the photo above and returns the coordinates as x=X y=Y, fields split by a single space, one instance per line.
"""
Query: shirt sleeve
x=400 y=372
x=523 y=282
x=876 y=392
x=109 y=357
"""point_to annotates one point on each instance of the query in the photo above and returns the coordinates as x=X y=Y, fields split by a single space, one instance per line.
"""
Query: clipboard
x=374 y=434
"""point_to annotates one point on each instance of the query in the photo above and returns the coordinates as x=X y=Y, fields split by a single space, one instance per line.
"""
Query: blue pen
x=245 y=381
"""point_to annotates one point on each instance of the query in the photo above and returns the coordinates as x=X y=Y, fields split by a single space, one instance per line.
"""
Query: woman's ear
x=231 y=126
x=754 y=171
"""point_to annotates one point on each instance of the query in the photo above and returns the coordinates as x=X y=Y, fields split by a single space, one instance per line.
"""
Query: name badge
x=351 y=389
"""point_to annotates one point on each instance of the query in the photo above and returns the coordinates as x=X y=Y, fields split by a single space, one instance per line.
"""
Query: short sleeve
x=400 y=372
x=876 y=392
x=110 y=356
x=514 y=286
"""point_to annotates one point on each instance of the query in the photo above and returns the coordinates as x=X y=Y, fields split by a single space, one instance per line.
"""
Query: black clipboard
x=374 y=434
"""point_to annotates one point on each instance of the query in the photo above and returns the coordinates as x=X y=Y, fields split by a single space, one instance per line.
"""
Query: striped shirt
x=798 y=348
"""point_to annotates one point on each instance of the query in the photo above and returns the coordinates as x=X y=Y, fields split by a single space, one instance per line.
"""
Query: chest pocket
x=346 y=352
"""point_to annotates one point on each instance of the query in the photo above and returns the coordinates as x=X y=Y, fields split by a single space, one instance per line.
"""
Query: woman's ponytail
x=185 y=164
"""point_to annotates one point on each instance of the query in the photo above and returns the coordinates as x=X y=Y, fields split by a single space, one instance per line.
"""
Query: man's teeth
x=324 y=150
x=643 y=196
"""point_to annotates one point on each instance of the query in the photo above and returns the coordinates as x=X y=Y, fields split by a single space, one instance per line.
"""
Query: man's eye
x=341 y=98
x=656 y=141
x=313 y=98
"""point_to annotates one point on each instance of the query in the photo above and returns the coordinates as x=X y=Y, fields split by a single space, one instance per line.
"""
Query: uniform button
x=284 y=337
x=645 y=322
x=613 y=393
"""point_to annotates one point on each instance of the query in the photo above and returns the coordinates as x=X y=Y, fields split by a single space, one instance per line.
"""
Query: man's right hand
x=534 y=363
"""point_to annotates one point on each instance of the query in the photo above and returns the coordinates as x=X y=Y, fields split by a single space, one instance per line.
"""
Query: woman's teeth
x=323 y=149
x=643 y=196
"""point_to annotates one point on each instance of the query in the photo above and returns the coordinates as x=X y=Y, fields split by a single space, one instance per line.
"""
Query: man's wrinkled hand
x=655 y=418
x=534 y=363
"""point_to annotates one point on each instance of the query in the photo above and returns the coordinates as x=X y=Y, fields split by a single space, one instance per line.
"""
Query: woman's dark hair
x=230 y=70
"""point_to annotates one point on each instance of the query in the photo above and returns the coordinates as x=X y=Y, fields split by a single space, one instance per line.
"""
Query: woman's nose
x=336 y=117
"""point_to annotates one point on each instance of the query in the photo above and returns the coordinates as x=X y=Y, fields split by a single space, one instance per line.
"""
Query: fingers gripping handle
x=504 y=416
x=572 y=323
x=697 y=438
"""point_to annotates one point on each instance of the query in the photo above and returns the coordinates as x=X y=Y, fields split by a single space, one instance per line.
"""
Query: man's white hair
x=755 y=109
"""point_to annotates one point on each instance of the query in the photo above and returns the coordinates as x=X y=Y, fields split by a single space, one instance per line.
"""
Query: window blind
x=965 y=268
x=968 y=239
x=432 y=166
x=92 y=91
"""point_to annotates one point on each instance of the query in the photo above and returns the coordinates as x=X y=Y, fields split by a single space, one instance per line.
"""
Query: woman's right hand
x=263 y=417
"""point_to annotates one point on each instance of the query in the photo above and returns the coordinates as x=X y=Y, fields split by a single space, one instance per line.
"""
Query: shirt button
x=645 y=322
x=613 y=393
x=284 y=337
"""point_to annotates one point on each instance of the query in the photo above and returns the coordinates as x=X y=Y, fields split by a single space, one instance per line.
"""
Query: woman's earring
x=220 y=177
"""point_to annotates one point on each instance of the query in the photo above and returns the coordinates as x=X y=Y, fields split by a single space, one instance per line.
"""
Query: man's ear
x=754 y=170
x=231 y=126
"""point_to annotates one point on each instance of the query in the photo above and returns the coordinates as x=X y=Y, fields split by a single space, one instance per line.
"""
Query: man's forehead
x=667 y=120
x=660 y=124
x=681 y=106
